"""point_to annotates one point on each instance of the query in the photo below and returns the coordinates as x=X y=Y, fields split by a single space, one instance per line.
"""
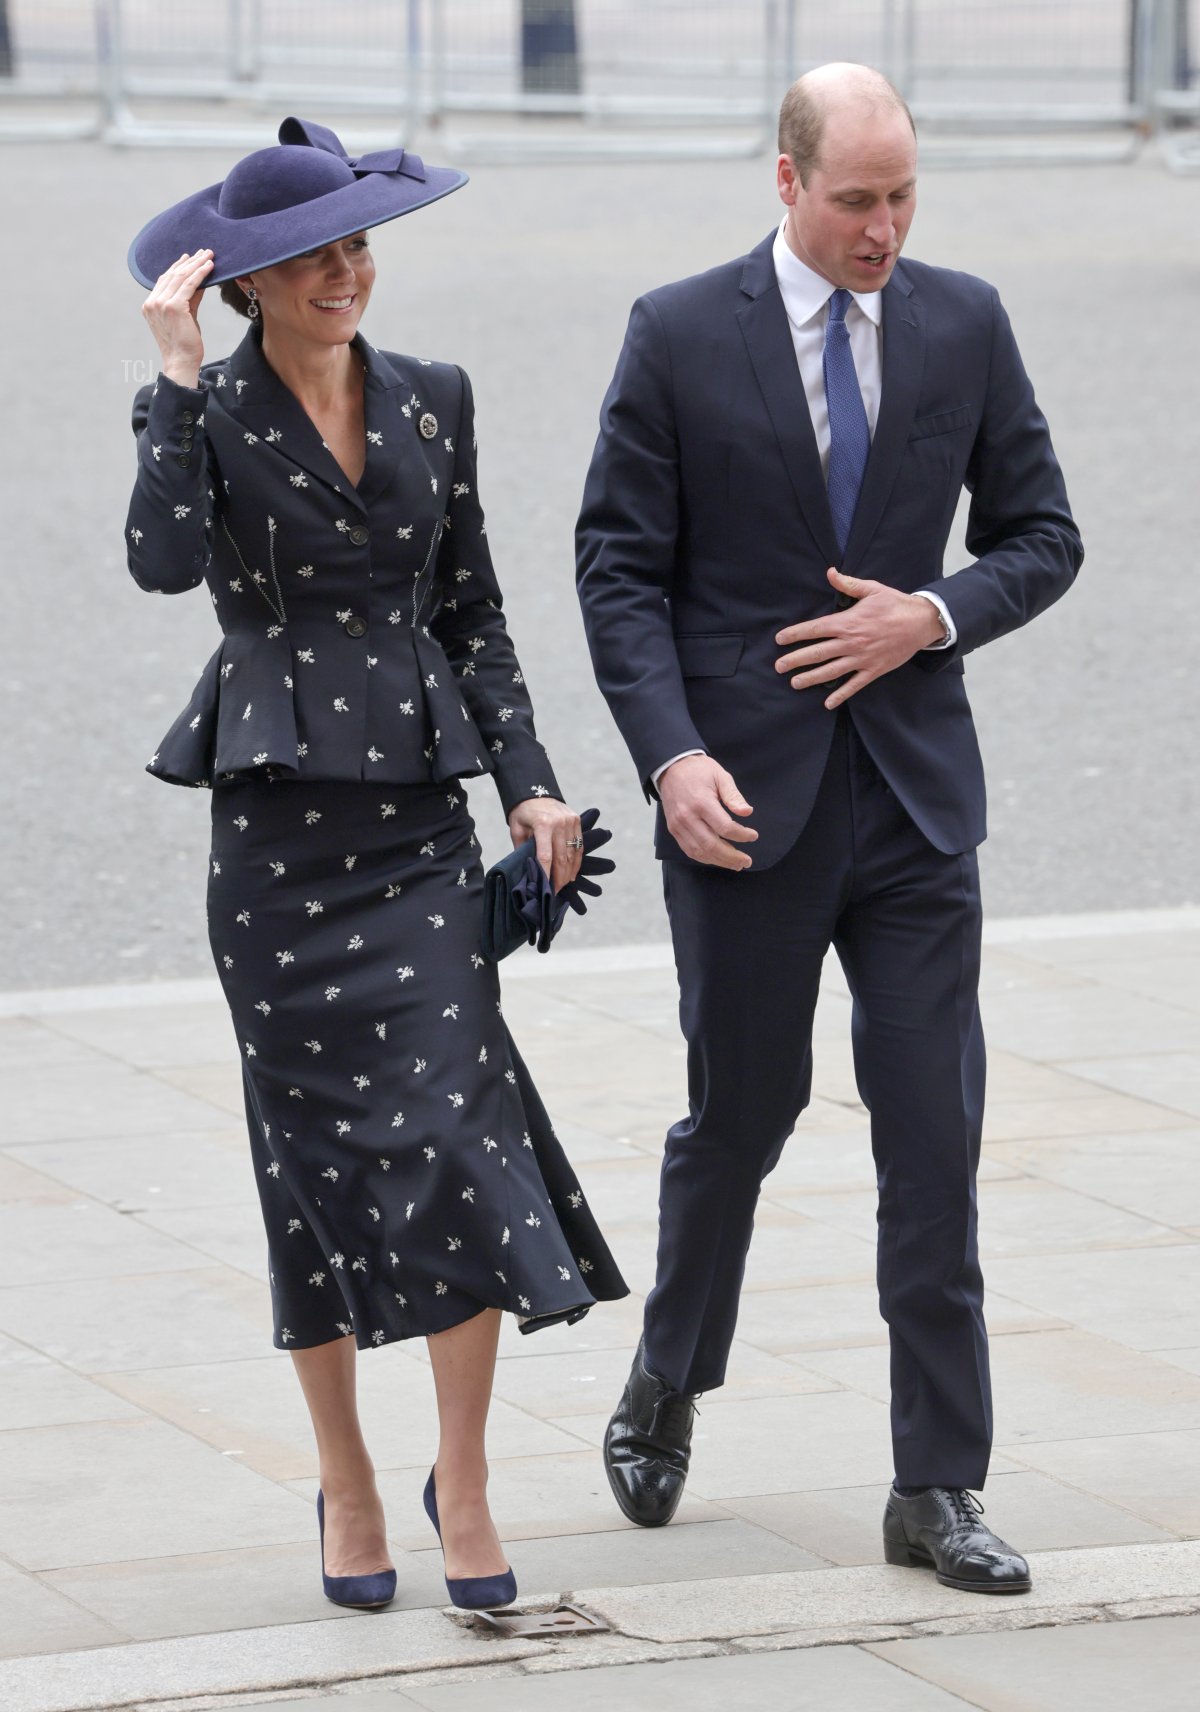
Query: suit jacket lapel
x=768 y=337
x=903 y=368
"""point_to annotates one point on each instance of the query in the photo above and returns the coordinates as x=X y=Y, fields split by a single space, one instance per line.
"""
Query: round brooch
x=428 y=426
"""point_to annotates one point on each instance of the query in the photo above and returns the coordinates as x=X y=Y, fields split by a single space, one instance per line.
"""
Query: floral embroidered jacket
x=363 y=631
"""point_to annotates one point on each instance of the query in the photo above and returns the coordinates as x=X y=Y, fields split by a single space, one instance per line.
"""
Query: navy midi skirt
x=408 y=1173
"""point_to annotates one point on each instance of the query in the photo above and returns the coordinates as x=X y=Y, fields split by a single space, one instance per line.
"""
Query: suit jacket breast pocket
x=942 y=422
x=709 y=656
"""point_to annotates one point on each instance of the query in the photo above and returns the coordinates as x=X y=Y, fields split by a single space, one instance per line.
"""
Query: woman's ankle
x=348 y=1480
x=463 y=1478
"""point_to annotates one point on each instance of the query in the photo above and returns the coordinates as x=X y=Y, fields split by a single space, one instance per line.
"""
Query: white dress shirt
x=806 y=297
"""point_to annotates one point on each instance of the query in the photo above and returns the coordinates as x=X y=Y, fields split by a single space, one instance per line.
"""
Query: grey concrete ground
x=157 y=1537
x=526 y=279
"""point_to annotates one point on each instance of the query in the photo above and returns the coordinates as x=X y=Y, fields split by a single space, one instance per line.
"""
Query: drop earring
x=253 y=312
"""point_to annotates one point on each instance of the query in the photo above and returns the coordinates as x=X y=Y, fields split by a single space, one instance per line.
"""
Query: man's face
x=850 y=221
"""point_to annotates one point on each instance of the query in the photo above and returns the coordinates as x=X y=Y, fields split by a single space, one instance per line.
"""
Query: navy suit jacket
x=706 y=527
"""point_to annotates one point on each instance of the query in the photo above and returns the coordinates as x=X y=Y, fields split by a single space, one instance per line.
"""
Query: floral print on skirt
x=408 y=1174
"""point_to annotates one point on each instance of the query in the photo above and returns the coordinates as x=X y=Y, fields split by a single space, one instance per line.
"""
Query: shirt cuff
x=951 y=637
x=658 y=772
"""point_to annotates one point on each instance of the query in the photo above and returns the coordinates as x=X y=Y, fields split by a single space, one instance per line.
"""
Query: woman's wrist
x=183 y=373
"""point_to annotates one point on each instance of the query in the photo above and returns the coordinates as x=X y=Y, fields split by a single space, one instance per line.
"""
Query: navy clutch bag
x=520 y=906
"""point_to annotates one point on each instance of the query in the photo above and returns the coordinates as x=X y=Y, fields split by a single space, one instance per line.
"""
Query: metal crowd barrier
x=1044 y=80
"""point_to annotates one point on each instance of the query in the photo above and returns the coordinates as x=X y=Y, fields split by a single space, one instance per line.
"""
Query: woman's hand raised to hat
x=171 y=312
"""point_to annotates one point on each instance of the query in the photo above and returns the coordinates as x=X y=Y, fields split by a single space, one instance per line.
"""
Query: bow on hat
x=380 y=160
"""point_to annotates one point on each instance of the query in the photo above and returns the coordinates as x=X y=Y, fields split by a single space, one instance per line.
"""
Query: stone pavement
x=157 y=1534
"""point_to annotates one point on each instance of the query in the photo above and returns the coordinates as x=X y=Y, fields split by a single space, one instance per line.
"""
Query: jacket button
x=187 y=416
x=183 y=459
x=356 y=627
x=360 y=534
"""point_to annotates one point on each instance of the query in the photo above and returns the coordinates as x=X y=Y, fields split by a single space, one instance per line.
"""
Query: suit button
x=356 y=627
x=187 y=416
x=183 y=459
x=360 y=534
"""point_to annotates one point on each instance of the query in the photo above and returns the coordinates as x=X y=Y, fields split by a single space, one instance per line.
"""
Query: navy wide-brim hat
x=279 y=202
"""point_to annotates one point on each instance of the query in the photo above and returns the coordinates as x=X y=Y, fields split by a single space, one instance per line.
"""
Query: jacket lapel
x=768 y=337
x=269 y=413
x=398 y=455
x=903 y=369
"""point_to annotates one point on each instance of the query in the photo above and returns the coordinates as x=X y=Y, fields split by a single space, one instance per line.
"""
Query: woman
x=325 y=491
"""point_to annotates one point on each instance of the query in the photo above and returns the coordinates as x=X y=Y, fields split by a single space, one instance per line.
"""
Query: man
x=760 y=569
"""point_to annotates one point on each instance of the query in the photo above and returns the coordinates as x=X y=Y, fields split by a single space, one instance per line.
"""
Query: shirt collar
x=805 y=293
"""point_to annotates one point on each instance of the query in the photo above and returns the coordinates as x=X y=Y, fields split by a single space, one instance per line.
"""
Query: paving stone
x=245 y=1660
x=149 y=1173
x=26 y=1044
x=1169 y=978
x=1156 y=1175
x=78 y=1239
x=536 y=1497
x=621 y=1191
x=788 y=1251
x=799 y=1682
x=1169 y=1078
x=186 y=1593
x=823 y=1599
x=834 y=1316
x=590 y=1652
x=93 y=1098
x=15 y=1355
x=76 y=1494
x=257 y=1406
x=780 y=1444
x=1124 y=936
x=358 y=1700
x=1097 y=1021
x=151 y=1036
x=1150 y=1474
x=585 y=1382
x=36 y=1619
x=218 y=1084
x=1031 y=1510
x=1146 y=1298
x=1109 y=1667
x=230 y=1232
x=1016 y=1216
x=49 y=1396
x=1051 y=1385
x=22 y=1184
x=692 y=1551
x=1188 y=1359
x=1090 y=1114
x=152 y=1319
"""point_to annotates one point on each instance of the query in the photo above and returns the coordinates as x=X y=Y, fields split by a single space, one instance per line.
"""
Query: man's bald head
x=841 y=88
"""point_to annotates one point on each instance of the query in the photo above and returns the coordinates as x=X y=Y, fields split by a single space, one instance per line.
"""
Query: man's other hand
x=699 y=799
x=883 y=629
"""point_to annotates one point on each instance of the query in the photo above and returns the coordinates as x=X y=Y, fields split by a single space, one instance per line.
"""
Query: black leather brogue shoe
x=648 y=1446
x=941 y=1530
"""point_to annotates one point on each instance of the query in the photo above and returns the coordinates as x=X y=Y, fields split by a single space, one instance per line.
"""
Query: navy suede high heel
x=364 y=1592
x=474 y=1592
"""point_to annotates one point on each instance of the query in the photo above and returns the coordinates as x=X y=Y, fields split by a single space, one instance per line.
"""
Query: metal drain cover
x=563 y=1620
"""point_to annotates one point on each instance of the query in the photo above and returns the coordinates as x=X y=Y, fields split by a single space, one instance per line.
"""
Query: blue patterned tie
x=849 y=435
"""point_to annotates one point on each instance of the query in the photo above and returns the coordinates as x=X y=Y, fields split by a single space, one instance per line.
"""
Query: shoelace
x=967 y=1509
x=676 y=1415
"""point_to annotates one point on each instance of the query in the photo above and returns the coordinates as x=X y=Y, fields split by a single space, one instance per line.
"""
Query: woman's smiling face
x=319 y=295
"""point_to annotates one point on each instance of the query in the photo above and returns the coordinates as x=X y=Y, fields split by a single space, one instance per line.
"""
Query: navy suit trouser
x=905 y=921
